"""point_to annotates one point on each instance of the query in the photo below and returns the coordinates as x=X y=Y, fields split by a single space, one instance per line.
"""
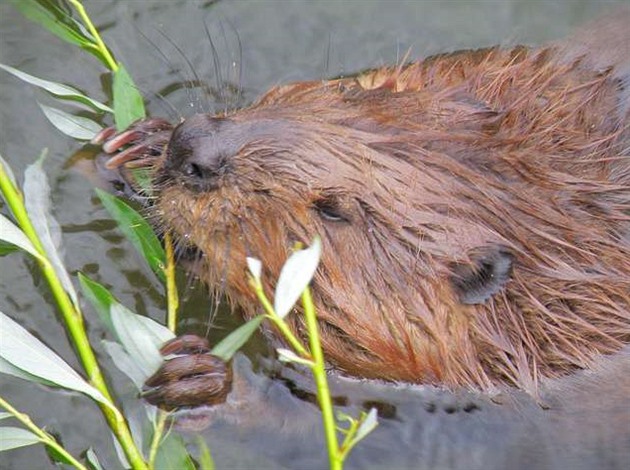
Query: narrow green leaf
x=137 y=230
x=100 y=298
x=205 y=458
x=92 y=460
x=140 y=342
x=12 y=438
x=286 y=355
x=77 y=127
x=58 y=89
x=57 y=457
x=138 y=335
x=368 y=424
x=172 y=454
x=9 y=369
x=120 y=453
x=7 y=248
x=8 y=171
x=255 y=267
x=37 y=202
x=125 y=363
x=59 y=23
x=228 y=346
x=143 y=177
x=51 y=18
x=128 y=102
x=295 y=276
x=138 y=424
x=23 y=351
x=9 y=232
x=5 y=415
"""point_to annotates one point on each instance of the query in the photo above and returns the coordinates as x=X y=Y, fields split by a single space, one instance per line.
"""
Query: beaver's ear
x=485 y=273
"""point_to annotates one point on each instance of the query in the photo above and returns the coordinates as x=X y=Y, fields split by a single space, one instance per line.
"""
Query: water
x=281 y=42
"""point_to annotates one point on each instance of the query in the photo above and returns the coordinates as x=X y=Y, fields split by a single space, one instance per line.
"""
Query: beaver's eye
x=329 y=209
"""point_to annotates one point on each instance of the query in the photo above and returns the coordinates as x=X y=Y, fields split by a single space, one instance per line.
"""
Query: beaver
x=473 y=207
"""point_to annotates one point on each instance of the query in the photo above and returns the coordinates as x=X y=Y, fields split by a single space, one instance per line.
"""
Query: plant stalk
x=277 y=321
x=100 y=44
x=157 y=437
x=172 y=299
x=44 y=437
x=73 y=319
x=321 y=381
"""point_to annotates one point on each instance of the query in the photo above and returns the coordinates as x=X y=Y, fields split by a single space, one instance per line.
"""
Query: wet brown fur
x=427 y=162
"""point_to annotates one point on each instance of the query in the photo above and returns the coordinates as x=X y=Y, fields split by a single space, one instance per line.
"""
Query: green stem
x=111 y=63
x=44 y=437
x=73 y=319
x=321 y=381
x=172 y=299
x=157 y=437
x=172 y=304
x=277 y=321
x=349 y=441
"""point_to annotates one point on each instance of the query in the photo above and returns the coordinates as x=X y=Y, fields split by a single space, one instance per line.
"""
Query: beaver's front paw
x=193 y=377
x=138 y=146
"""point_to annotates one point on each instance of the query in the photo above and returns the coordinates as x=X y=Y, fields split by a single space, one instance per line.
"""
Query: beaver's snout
x=200 y=150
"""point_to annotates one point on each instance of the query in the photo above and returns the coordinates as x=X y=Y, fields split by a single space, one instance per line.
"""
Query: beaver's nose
x=200 y=149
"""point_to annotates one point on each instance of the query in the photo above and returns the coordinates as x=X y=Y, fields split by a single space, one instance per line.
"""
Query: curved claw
x=136 y=133
x=149 y=148
x=104 y=135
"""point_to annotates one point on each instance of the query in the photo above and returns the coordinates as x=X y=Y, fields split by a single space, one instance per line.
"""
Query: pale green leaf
x=92 y=460
x=77 y=127
x=295 y=276
x=286 y=355
x=255 y=267
x=23 y=351
x=128 y=102
x=125 y=363
x=9 y=369
x=137 y=230
x=12 y=438
x=58 y=89
x=172 y=455
x=60 y=23
x=368 y=424
x=100 y=298
x=37 y=202
x=205 y=458
x=140 y=342
x=9 y=232
x=228 y=346
x=8 y=171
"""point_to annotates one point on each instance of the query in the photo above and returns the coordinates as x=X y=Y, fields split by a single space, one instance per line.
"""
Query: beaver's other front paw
x=137 y=146
x=140 y=146
x=193 y=377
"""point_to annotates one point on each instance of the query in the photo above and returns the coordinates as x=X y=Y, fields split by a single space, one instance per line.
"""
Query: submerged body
x=474 y=208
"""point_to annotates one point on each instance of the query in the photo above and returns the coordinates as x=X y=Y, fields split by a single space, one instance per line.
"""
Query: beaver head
x=471 y=209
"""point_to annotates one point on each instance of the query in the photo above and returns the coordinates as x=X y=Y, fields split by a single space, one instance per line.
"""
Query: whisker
x=216 y=63
x=172 y=68
x=239 y=63
x=205 y=94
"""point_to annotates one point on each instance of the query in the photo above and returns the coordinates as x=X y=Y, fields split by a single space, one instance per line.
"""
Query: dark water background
x=281 y=41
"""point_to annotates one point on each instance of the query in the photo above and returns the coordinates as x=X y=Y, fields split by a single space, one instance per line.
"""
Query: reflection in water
x=579 y=423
